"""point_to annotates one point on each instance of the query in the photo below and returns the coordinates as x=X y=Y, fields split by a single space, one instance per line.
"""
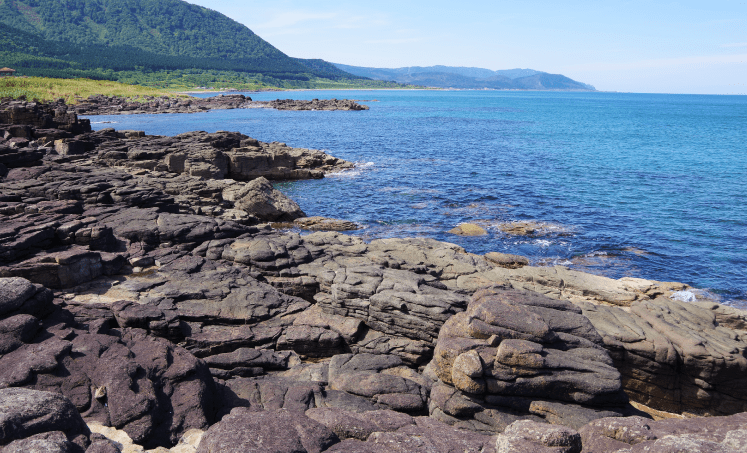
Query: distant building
x=7 y=72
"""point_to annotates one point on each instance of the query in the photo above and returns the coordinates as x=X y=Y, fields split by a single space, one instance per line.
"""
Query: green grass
x=72 y=90
x=161 y=84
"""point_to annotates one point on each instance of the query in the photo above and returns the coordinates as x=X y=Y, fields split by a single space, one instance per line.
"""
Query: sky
x=697 y=47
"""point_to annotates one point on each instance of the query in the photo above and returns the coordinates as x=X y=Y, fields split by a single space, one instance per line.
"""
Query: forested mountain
x=463 y=77
x=158 y=41
x=81 y=36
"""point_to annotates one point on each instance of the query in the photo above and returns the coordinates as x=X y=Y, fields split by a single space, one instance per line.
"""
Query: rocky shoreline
x=114 y=105
x=145 y=295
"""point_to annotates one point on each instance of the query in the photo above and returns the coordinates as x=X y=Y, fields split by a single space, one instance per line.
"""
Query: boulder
x=25 y=413
x=506 y=260
x=20 y=296
x=271 y=431
x=382 y=378
x=266 y=203
x=532 y=437
x=516 y=353
x=49 y=442
x=352 y=425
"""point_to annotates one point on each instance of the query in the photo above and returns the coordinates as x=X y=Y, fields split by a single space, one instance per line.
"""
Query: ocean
x=639 y=185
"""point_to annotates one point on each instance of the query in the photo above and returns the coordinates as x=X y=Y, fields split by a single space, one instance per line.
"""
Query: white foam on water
x=543 y=242
x=683 y=296
x=353 y=172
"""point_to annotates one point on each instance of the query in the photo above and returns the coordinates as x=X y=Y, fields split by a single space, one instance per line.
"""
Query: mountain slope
x=181 y=34
x=463 y=77
x=168 y=27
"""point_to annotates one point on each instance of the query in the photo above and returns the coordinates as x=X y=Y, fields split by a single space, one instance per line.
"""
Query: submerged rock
x=468 y=229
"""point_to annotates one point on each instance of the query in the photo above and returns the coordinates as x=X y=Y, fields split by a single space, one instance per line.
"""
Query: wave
x=353 y=172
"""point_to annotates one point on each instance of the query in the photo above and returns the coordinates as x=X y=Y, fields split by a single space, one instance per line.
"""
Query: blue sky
x=634 y=46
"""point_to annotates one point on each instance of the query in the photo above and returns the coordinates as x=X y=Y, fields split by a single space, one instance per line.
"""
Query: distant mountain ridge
x=467 y=77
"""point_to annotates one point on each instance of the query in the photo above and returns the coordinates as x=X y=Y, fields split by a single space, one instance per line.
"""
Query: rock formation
x=314 y=104
x=115 y=105
x=139 y=289
x=515 y=353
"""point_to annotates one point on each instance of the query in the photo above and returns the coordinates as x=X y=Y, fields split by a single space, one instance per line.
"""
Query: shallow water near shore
x=639 y=185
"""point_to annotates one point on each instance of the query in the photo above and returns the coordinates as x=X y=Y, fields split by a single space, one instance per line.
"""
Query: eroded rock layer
x=140 y=286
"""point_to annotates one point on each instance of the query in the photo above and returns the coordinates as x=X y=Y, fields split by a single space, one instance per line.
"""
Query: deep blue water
x=642 y=185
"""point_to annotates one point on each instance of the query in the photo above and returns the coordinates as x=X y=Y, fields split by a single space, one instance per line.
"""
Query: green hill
x=133 y=39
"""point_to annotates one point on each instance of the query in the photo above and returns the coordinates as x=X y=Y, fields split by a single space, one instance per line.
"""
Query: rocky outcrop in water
x=137 y=282
x=314 y=104
x=115 y=105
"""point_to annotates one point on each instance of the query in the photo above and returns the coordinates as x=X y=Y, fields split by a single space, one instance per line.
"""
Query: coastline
x=153 y=247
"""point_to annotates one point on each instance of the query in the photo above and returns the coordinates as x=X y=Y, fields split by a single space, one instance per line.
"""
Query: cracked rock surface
x=140 y=285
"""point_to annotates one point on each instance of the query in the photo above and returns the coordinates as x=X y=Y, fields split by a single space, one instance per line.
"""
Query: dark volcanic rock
x=636 y=434
x=114 y=105
x=382 y=378
x=172 y=308
x=314 y=104
x=125 y=378
x=43 y=116
x=49 y=442
x=267 y=203
x=25 y=413
x=532 y=437
x=278 y=431
x=352 y=425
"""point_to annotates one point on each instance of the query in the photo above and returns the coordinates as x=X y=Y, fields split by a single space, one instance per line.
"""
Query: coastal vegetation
x=72 y=90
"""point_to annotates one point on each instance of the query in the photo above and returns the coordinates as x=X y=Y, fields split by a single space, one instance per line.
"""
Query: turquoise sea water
x=642 y=185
